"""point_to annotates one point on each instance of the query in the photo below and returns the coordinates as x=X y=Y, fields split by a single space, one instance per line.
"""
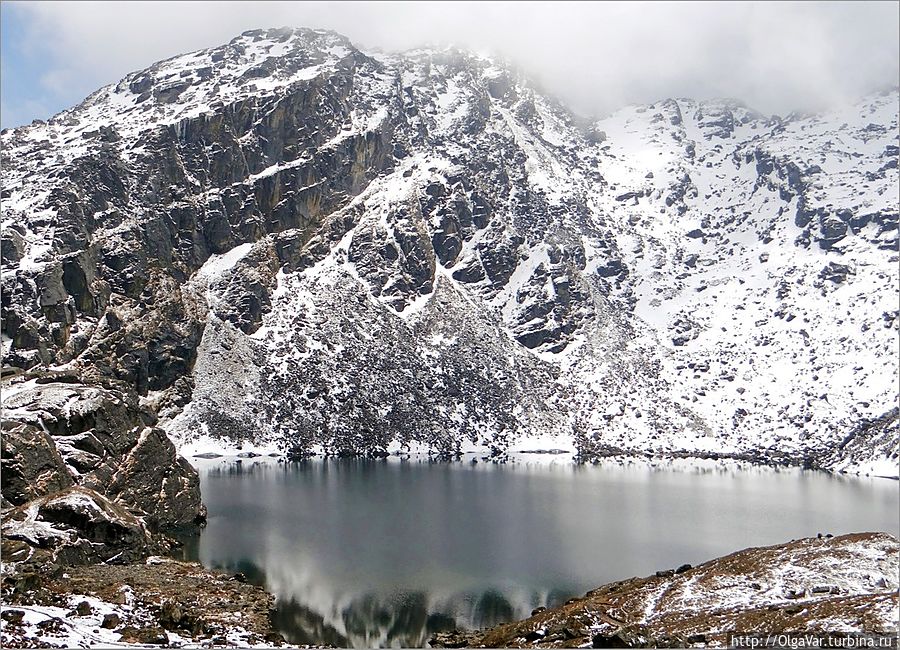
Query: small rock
x=535 y=635
x=171 y=615
x=15 y=616
x=144 y=635
x=538 y=610
x=683 y=568
x=84 y=609
x=110 y=621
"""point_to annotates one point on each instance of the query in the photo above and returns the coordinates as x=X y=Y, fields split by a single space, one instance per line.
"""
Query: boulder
x=31 y=465
x=80 y=526
x=155 y=479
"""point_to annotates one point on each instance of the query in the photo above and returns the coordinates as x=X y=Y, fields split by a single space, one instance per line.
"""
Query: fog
x=776 y=57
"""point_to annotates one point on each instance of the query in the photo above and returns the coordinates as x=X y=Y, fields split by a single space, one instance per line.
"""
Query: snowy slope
x=287 y=242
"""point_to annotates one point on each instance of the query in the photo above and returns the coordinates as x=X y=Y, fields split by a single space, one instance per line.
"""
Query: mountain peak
x=288 y=241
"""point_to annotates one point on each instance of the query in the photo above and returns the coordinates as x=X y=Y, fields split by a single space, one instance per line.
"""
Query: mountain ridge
x=304 y=246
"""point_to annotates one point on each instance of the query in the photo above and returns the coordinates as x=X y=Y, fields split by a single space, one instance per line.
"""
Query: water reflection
x=404 y=619
x=385 y=553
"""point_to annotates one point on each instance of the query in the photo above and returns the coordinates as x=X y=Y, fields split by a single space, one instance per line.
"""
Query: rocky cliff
x=289 y=242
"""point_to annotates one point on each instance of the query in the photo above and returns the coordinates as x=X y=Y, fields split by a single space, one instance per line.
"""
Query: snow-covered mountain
x=289 y=242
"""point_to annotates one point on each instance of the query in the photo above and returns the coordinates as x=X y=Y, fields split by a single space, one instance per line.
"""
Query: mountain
x=287 y=242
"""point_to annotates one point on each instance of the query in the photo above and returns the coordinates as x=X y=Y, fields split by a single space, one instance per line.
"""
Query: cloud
x=596 y=57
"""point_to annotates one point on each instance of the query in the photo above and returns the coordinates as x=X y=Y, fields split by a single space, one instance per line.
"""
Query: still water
x=385 y=553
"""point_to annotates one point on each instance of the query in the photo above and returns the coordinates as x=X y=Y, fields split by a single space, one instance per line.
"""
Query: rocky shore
x=90 y=490
x=159 y=602
x=824 y=586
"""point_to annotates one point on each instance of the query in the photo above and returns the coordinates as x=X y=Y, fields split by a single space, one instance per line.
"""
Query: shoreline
x=677 y=461
x=790 y=589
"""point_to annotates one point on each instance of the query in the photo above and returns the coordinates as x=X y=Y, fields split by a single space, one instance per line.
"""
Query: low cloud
x=776 y=57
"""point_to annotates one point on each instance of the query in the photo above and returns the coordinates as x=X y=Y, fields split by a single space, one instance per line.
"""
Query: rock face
x=814 y=587
x=288 y=241
x=99 y=438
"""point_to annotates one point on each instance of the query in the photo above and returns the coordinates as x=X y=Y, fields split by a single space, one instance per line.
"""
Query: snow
x=217 y=265
x=86 y=631
x=31 y=528
x=75 y=500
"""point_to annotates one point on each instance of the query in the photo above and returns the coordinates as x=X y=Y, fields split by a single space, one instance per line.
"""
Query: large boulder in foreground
x=76 y=526
x=817 y=586
x=86 y=476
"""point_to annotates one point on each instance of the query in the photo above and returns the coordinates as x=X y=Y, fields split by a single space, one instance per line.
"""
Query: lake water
x=385 y=553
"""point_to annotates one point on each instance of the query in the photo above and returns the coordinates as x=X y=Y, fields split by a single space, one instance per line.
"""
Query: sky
x=595 y=57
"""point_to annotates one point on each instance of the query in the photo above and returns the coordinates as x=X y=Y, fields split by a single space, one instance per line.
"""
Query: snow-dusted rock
x=75 y=526
x=58 y=434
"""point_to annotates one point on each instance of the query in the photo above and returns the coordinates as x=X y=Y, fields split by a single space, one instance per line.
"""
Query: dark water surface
x=384 y=553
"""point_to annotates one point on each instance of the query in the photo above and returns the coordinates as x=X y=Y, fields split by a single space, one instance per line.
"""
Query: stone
x=31 y=464
x=12 y=616
x=146 y=635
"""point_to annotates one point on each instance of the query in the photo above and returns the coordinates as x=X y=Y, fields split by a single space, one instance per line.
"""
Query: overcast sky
x=776 y=57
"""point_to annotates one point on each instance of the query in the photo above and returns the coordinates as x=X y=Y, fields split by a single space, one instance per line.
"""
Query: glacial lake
x=380 y=553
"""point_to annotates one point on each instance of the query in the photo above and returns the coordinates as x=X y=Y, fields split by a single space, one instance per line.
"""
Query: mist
x=776 y=57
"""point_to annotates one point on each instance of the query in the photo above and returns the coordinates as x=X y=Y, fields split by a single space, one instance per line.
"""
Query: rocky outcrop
x=91 y=477
x=155 y=479
x=856 y=448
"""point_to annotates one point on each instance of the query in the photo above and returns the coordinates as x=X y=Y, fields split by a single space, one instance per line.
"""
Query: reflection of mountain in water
x=405 y=619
